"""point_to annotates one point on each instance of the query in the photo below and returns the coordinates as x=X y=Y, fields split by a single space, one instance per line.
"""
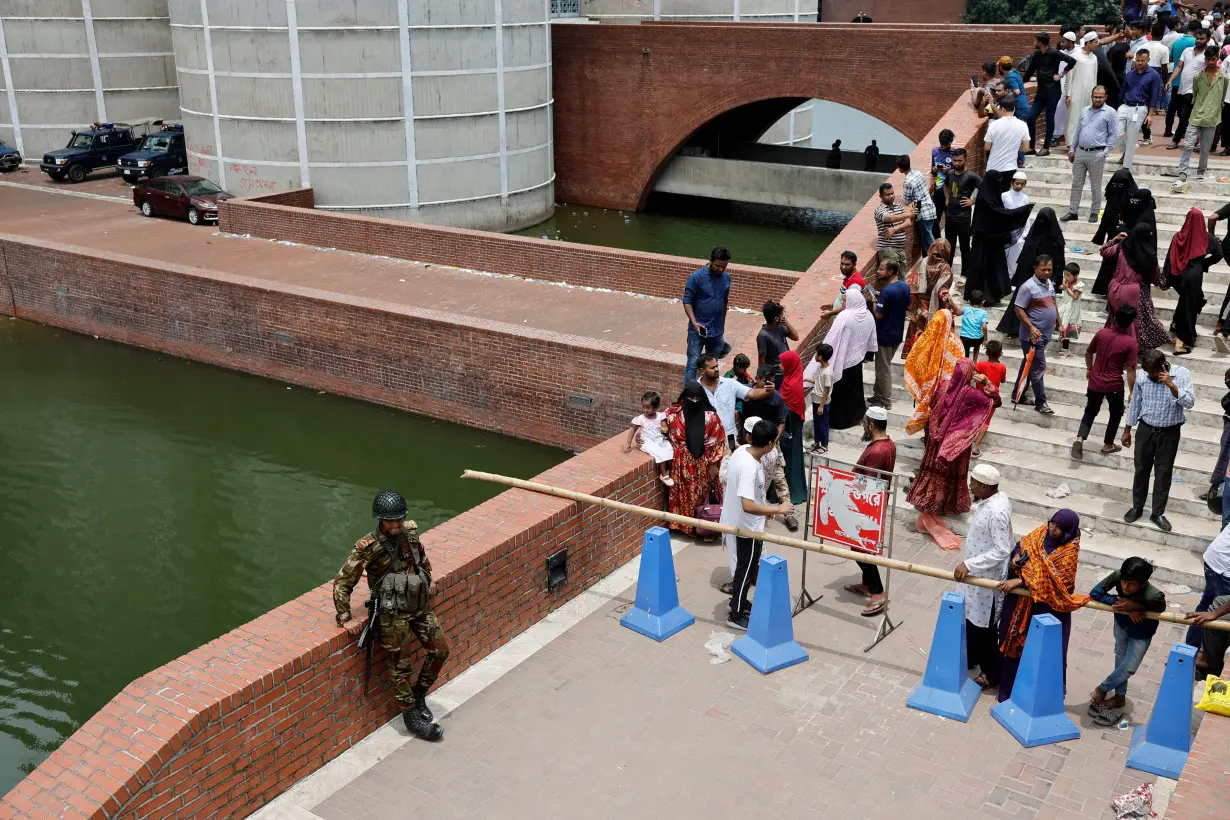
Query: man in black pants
x=1190 y=64
x=1111 y=352
x=1045 y=63
x=878 y=460
x=745 y=507
x=1158 y=404
x=959 y=191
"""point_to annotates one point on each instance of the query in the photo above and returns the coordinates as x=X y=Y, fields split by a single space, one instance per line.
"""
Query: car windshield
x=81 y=141
x=201 y=187
x=156 y=143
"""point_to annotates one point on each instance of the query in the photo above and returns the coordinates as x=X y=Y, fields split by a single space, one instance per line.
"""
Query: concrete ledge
x=793 y=186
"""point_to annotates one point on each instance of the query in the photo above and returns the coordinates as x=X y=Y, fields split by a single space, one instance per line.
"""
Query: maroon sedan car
x=193 y=198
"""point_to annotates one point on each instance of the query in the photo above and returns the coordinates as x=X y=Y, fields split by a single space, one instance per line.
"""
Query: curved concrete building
x=793 y=129
x=426 y=110
x=68 y=63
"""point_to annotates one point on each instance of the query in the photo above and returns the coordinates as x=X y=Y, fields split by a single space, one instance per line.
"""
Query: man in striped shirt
x=918 y=195
x=892 y=221
x=1158 y=404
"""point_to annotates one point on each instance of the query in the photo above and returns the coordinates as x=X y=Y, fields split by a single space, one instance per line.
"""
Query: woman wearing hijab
x=931 y=361
x=1193 y=250
x=931 y=276
x=941 y=483
x=852 y=337
x=794 y=395
x=1121 y=186
x=1044 y=237
x=1135 y=259
x=992 y=229
x=1043 y=563
x=696 y=435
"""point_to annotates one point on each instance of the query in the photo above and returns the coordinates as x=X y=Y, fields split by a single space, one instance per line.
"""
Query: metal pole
x=805 y=598
x=886 y=625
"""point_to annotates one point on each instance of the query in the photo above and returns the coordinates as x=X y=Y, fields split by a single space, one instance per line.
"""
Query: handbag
x=708 y=512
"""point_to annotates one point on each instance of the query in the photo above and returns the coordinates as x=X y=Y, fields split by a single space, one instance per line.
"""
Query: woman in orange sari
x=1044 y=563
x=931 y=360
x=932 y=275
x=695 y=432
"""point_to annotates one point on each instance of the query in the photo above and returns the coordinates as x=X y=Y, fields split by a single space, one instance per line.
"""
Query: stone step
x=1143 y=164
x=1171 y=209
x=1101 y=546
x=1149 y=176
x=1216 y=279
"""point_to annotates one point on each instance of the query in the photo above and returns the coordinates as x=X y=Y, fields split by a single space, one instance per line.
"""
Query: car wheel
x=155 y=172
x=146 y=210
x=76 y=173
x=194 y=216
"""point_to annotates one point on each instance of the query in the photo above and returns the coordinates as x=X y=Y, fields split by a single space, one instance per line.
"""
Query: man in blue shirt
x=1142 y=91
x=891 y=306
x=705 y=299
x=1096 y=133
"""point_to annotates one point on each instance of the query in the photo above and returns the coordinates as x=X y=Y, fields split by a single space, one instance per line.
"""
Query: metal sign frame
x=806 y=598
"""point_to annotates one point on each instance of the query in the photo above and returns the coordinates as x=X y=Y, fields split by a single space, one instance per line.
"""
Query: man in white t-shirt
x=1005 y=136
x=744 y=506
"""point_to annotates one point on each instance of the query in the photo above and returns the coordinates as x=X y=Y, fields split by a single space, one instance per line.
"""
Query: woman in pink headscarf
x=966 y=401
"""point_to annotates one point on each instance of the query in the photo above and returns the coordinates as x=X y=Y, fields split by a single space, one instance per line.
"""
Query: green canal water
x=785 y=238
x=150 y=504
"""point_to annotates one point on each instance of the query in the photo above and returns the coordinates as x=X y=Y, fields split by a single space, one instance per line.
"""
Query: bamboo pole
x=786 y=541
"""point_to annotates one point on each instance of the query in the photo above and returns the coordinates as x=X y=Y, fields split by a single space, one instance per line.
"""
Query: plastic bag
x=939 y=532
x=1216 y=698
x=1138 y=803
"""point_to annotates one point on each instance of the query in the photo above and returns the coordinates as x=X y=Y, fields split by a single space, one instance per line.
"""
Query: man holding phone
x=1157 y=404
x=705 y=299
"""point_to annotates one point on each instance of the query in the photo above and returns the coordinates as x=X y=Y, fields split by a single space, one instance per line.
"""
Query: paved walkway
x=56 y=214
x=602 y=722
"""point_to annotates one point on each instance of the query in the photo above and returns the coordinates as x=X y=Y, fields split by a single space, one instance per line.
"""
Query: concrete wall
x=795 y=186
x=433 y=112
x=67 y=63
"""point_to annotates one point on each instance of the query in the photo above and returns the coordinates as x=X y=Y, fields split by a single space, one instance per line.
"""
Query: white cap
x=749 y=423
x=1203 y=24
x=1092 y=35
x=985 y=474
x=1067 y=35
x=1018 y=175
x=877 y=413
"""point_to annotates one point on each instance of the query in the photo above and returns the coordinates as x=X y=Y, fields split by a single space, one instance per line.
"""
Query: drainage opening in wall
x=557 y=569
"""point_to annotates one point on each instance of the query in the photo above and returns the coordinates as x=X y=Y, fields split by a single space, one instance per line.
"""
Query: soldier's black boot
x=420 y=728
x=420 y=702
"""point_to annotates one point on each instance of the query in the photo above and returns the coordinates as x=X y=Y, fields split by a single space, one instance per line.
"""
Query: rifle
x=369 y=635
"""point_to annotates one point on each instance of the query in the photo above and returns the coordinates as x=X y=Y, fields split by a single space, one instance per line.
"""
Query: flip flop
x=1118 y=448
x=873 y=610
x=727 y=588
x=857 y=589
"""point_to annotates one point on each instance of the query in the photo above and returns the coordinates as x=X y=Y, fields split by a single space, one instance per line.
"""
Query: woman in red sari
x=1044 y=564
x=964 y=406
x=695 y=432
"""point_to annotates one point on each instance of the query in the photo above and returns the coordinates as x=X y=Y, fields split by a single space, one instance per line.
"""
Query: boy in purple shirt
x=1111 y=351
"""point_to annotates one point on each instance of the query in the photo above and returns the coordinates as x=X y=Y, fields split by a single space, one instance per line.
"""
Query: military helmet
x=389 y=506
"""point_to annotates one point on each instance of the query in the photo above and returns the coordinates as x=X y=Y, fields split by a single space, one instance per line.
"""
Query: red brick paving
x=606 y=723
x=643 y=322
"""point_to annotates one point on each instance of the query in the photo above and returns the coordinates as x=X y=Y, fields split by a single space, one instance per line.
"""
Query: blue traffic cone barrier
x=1161 y=745
x=946 y=688
x=1034 y=714
x=769 y=644
x=656 y=612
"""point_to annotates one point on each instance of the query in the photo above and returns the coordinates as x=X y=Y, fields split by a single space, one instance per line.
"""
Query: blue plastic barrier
x=769 y=644
x=1034 y=714
x=946 y=688
x=1161 y=746
x=657 y=612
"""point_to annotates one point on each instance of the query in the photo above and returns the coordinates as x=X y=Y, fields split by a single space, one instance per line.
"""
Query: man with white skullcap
x=1015 y=197
x=988 y=544
x=881 y=456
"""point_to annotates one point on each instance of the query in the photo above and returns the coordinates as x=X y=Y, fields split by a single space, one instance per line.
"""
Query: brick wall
x=1203 y=792
x=653 y=274
x=895 y=11
x=430 y=362
x=677 y=77
x=231 y=725
x=293 y=198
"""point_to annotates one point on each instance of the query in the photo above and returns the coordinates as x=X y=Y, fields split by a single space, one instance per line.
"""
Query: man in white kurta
x=1067 y=45
x=1079 y=82
x=988 y=544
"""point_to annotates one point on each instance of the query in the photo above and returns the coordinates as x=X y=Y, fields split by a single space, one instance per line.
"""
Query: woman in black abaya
x=1121 y=186
x=1045 y=237
x=992 y=229
x=1138 y=208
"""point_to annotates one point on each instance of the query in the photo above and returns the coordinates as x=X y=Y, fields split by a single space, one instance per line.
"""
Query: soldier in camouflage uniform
x=399 y=574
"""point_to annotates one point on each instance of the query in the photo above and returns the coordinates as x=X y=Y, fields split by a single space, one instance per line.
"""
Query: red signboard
x=849 y=509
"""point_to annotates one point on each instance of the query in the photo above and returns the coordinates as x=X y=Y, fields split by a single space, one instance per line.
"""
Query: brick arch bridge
x=627 y=97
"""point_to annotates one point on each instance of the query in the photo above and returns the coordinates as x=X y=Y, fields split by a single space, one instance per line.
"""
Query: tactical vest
x=401 y=592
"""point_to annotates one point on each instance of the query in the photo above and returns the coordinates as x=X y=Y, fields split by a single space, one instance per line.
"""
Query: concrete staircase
x=1033 y=451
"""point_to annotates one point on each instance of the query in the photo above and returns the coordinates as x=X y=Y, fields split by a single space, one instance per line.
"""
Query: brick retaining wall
x=652 y=274
x=231 y=725
x=435 y=363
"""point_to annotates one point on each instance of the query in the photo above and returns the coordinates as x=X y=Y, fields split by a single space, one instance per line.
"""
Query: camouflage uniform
x=370 y=553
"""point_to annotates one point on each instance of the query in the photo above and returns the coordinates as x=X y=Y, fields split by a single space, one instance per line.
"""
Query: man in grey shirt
x=1035 y=308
